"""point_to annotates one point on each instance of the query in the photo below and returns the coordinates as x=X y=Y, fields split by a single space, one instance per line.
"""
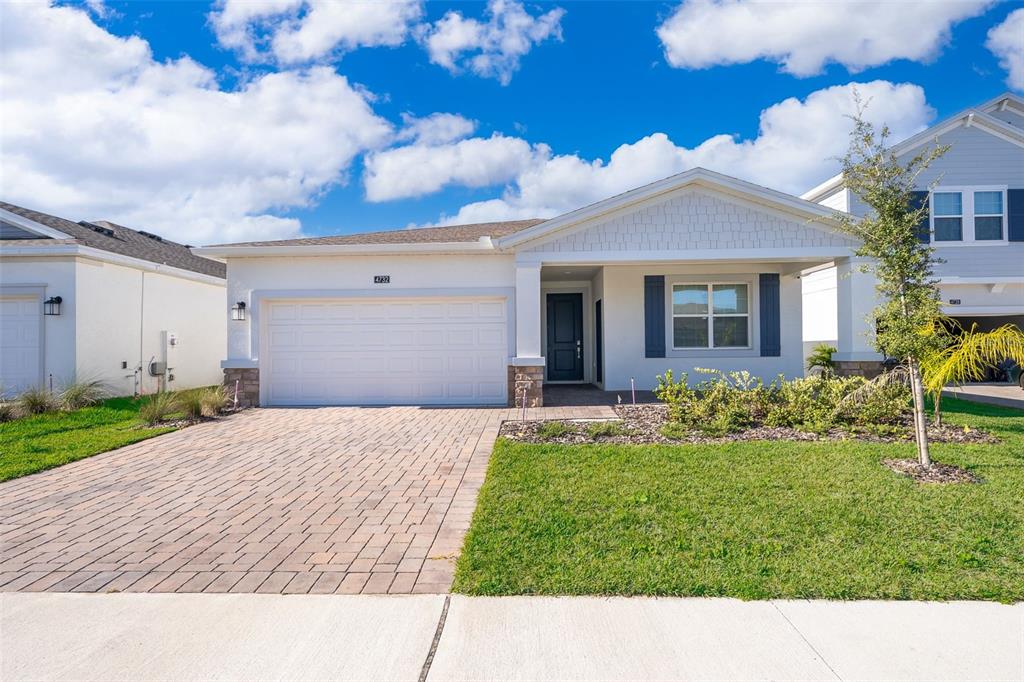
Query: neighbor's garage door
x=19 y=343
x=386 y=351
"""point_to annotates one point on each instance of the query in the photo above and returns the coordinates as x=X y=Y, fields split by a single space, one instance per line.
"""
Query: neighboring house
x=697 y=270
x=127 y=299
x=976 y=220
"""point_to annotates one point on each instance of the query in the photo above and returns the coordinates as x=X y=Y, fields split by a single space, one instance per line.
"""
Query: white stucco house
x=98 y=301
x=697 y=270
x=975 y=222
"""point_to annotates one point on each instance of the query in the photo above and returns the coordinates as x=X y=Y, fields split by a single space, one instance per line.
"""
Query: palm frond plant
x=821 y=358
x=968 y=358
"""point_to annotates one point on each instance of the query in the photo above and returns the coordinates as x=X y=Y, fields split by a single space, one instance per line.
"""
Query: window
x=949 y=216
x=988 y=216
x=965 y=215
x=710 y=316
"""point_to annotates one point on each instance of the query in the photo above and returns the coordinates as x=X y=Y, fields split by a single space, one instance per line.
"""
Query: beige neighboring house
x=101 y=301
x=696 y=270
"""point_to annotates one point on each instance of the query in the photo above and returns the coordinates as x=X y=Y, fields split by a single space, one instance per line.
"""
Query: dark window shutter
x=771 y=318
x=654 y=316
x=1015 y=214
x=917 y=200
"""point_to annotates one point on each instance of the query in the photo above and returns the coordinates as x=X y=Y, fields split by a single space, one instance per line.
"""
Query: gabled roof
x=979 y=117
x=696 y=177
x=106 y=236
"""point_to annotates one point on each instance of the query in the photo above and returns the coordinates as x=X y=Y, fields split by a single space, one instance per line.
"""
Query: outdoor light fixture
x=51 y=306
x=238 y=311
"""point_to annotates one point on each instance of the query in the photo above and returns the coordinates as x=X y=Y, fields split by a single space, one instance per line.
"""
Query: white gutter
x=483 y=244
x=79 y=251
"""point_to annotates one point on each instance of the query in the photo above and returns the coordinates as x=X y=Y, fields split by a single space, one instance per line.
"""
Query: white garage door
x=386 y=352
x=19 y=343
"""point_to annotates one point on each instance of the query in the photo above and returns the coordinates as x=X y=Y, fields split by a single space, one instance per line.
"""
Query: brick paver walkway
x=325 y=500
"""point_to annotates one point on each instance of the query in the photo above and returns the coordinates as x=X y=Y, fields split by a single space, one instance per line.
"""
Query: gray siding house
x=975 y=195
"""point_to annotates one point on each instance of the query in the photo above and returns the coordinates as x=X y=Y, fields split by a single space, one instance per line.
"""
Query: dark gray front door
x=565 y=337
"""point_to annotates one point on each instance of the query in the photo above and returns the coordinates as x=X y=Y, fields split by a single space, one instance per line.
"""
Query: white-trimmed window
x=966 y=215
x=710 y=315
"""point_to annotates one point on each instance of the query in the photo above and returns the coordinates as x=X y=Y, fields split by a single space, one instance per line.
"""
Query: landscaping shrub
x=599 y=430
x=191 y=404
x=79 y=394
x=213 y=401
x=821 y=358
x=37 y=401
x=159 y=407
x=731 y=402
x=553 y=430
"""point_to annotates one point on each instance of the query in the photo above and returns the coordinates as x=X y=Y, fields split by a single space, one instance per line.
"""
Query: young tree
x=902 y=262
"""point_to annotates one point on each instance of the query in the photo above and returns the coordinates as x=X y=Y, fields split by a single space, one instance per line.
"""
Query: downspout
x=142 y=313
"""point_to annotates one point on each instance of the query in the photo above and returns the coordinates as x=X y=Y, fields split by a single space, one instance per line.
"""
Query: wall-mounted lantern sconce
x=51 y=306
x=238 y=311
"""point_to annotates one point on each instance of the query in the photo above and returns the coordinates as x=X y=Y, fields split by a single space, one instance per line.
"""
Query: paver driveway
x=322 y=500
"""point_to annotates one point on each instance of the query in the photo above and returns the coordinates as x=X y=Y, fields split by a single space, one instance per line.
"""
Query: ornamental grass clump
x=79 y=394
x=37 y=401
x=158 y=408
x=213 y=401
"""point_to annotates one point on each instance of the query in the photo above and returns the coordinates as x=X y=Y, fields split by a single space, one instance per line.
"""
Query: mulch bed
x=642 y=425
x=936 y=473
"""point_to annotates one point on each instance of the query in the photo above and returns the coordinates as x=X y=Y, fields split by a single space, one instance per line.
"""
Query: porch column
x=526 y=369
x=856 y=299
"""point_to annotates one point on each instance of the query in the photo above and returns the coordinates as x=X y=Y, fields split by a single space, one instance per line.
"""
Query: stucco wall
x=345 y=275
x=819 y=308
x=58 y=276
x=120 y=306
x=623 y=295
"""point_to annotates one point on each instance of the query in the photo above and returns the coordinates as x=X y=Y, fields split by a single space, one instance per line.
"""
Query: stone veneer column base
x=530 y=378
x=248 y=381
x=869 y=369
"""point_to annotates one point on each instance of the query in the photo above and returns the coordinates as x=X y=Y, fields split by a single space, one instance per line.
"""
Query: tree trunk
x=938 y=408
x=920 y=425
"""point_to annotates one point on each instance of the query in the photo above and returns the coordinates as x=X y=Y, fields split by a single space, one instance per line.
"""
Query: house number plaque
x=382 y=279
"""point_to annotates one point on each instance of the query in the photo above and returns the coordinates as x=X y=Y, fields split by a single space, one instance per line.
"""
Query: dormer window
x=968 y=215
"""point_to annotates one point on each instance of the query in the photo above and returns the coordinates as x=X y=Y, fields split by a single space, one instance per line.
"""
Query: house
x=975 y=221
x=100 y=301
x=696 y=270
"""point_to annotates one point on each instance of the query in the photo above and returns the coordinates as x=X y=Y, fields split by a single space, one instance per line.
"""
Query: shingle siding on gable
x=693 y=220
x=975 y=157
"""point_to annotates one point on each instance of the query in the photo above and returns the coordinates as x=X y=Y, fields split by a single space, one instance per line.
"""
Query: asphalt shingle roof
x=421 y=235
x=120 y=240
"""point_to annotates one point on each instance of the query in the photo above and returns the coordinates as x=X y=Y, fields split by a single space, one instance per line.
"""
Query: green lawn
x=752 y=520
x=45 y=441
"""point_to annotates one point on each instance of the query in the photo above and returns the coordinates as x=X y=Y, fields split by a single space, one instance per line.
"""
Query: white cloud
x=491 y=49
x=437 y=128
x=296 y=31
x=1006 y=41
x=805 y=36
x=795 y=148
x=94 y=128
x=419 y=169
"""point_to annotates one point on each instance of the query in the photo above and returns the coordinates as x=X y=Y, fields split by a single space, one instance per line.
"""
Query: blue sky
x=596 y=76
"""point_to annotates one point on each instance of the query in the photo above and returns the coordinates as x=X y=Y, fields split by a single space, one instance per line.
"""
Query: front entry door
x=565 y=337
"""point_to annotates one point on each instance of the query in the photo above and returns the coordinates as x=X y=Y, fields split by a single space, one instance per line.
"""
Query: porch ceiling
x=567 y=273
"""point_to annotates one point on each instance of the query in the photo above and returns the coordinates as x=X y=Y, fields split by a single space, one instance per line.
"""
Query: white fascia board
x=982 y=310
x=982 y=280
x=31 y=225
x=816 y=193
x=699 y=177
x=752 y=255
x=482 y=245
x=1002 y=101
x=79 y=251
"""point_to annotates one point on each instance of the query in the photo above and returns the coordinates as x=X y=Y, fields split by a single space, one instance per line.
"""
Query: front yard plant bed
x=752 y=519
x=649 y=424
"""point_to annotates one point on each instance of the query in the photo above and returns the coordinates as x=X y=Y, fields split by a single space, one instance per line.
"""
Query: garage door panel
x=386 y=352
x=20 y=318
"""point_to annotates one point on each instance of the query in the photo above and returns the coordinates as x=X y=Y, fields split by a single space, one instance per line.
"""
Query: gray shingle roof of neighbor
x=419 y=235
x=121 y=240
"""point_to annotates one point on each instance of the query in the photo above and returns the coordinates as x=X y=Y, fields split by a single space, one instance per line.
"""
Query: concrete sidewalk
x=252 y=636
